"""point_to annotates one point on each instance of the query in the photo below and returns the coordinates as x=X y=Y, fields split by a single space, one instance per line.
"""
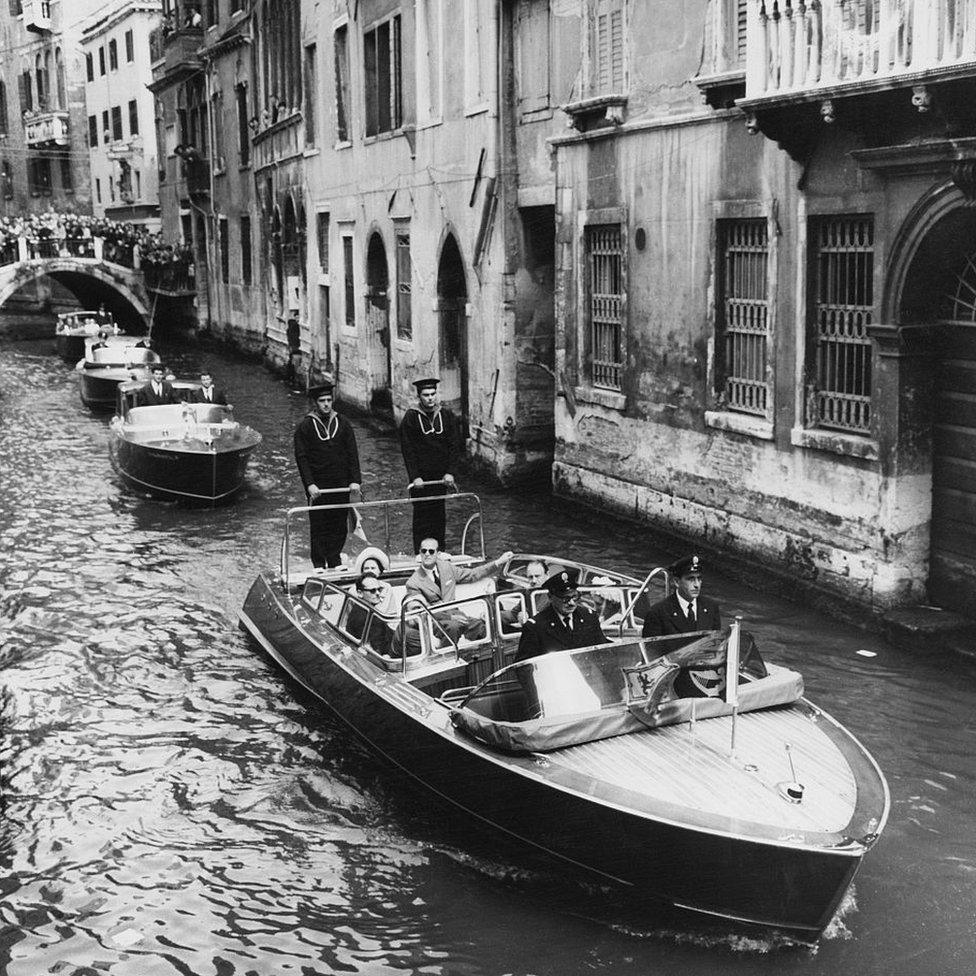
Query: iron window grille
x=742 y=373
x=404 y=273
x=605 y=298
x=843 y=310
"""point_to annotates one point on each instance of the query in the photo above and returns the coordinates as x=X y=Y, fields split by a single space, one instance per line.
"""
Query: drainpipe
x=213 y=284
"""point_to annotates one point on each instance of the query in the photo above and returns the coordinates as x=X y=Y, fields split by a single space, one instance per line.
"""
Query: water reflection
x=174 y=805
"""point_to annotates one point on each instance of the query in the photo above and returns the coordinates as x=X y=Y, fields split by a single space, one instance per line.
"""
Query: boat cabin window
x=607 y=602
x=510 y=609
x=568 y=682
x=560 y=683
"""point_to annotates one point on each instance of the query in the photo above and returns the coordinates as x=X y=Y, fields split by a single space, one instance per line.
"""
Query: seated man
x=436 y=580
x=535 y=579
x=563 y=623
x=378 y=636
x=158 y=390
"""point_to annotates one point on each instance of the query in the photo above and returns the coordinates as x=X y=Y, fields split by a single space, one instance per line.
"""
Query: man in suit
x=328 y=458
x=436 y=580
x=563 y=623
x=208 y=393
x=429 y=444
x=686 y=611
x=158 y=390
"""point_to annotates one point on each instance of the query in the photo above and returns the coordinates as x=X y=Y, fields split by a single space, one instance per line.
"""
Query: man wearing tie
x=563 y=623
x=208 y=393
x=686 y=611
x=157 y=391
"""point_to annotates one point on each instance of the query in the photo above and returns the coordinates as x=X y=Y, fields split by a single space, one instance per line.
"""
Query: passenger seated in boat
x=372 y=561
x=436 y=579
x=563 y=623
x=158 y=390
x=379 y=636
x=536 y=572
x=103 y=333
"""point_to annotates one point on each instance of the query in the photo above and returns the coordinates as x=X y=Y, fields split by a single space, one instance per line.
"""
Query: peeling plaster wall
x=847 y=524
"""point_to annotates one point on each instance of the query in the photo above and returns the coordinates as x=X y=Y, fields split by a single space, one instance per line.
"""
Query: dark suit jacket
x=666 y=617
x=219 y=397
x=545 y=632
x=148 y=398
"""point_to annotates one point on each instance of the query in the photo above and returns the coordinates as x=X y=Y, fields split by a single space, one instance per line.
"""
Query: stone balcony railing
x=801 y=49
x=46 y=128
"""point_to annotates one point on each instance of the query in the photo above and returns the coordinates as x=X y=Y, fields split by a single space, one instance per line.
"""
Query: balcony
x=37 y=16
x=799 y=51
x=174 y=45
x=196 y=174
x=45 y=129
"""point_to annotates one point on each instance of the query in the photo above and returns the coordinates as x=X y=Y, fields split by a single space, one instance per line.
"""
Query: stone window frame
x=585 y=390
x=716 y=416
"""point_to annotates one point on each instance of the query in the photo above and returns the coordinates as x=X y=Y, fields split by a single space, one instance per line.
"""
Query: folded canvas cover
x=598 y=719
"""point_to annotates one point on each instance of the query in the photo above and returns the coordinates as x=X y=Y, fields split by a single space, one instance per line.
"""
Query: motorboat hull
x=99 y=388
x=176 y=473
x=70 y=347
x=658 y=857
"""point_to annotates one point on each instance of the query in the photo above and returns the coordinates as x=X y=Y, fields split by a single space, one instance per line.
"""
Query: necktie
x=437 y=578
x=209 y=397
x=568 y=622
x=159 y=390
x=691 y=614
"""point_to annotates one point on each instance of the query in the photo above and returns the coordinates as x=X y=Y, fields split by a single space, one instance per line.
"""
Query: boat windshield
x=565 y=682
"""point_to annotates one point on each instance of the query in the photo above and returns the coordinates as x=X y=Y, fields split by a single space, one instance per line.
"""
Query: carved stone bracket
x=921 y=98
x=963 y=173
x=827 y=112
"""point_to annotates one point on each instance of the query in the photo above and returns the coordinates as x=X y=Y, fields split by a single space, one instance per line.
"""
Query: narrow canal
x=172 y=804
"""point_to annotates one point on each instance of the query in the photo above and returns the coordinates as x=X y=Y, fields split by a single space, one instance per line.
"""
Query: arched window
x=40 y=76
x=7 y=180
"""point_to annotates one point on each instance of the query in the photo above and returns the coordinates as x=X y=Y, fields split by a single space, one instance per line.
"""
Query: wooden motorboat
x=191 y=452
x=564 y=752
x=73 y=328
x=108 y=362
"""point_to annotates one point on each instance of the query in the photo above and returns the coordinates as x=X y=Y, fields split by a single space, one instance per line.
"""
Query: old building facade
x=43 y=130
x=121 y=112
x=765 y=303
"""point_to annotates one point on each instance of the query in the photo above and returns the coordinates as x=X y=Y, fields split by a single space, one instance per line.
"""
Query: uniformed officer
x=686 y=610
x=327 y=457
x=563 y=623
x=429 y=442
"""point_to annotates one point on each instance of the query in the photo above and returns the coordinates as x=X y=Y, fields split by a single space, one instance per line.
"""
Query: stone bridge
x=96 y=271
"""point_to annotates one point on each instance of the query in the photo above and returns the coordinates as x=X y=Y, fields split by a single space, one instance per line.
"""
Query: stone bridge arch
x=121 y=290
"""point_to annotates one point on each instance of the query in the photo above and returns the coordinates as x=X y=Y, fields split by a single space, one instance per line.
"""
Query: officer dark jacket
x=428 y=443
x=667 y=617
x=326 y=452
x=545 y=632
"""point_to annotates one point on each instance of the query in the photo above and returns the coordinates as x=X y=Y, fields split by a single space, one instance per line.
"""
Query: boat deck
x=693 y=770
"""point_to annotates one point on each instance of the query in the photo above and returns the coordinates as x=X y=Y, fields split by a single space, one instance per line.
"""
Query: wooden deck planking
x=669 y=765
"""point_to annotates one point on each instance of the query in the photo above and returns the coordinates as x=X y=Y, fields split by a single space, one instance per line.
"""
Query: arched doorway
x=940 y=290
x=289 y=248
x=378 y=325
x=452 y=300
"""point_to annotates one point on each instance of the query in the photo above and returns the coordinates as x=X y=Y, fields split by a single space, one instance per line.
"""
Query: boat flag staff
x=429 y=442
x=328 y=458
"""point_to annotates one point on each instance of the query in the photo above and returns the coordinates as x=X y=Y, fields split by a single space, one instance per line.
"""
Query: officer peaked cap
x=685 y=566
x=563 y=582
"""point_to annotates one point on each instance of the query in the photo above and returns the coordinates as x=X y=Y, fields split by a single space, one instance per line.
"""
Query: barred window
x=404 y=274
x=742 y=319
x=349 y=281
x=843 y=308
x=604 y=260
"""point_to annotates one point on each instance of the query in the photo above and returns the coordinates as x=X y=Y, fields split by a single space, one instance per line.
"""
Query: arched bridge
x=95 y=270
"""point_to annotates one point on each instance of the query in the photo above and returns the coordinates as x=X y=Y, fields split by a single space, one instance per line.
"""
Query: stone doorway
x=452 y=303
x=378 y=326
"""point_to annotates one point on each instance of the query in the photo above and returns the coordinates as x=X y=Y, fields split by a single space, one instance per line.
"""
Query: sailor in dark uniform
x=561 y=624
x=428 y=440
x=686 y=610
x=327 y=457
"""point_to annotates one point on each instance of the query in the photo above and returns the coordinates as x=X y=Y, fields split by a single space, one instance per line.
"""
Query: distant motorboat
x=73 y=328
x=191 y=452
x=111 y=361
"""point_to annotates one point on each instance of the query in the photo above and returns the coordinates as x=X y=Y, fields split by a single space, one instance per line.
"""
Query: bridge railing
x=44 y=248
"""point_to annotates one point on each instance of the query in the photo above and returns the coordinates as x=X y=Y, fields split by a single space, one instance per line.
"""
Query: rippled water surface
x=173 y=804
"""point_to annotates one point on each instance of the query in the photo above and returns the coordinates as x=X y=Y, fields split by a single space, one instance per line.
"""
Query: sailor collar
x=431 y=425
x=325 y=431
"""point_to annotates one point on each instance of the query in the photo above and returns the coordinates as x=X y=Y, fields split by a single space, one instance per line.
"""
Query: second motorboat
x=190 y=452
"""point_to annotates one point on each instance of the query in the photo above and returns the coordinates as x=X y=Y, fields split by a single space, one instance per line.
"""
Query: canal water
x=173 y=804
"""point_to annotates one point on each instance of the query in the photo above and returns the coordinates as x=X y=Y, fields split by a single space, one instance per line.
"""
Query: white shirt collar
x=684 y=604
